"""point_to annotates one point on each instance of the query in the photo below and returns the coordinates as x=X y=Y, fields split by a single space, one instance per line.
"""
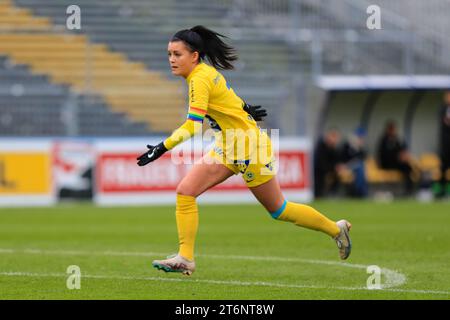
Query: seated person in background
x=444 y=141
x=393 y=154
x=353 y=155
x=327 y=163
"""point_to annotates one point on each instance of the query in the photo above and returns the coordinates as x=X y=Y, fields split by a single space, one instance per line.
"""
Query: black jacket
x=325 y=158
x=444 y=131
x=350 y=153
x=388 y=151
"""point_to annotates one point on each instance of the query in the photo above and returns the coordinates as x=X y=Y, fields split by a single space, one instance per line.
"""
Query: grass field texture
x=242 y=253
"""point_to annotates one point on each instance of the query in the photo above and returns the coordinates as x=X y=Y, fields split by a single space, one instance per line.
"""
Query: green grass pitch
x=242 y=253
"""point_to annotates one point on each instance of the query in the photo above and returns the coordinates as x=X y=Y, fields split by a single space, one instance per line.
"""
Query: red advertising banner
x=118 y=173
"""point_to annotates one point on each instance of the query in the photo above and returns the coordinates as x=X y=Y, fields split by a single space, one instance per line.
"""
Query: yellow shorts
x=254 y=171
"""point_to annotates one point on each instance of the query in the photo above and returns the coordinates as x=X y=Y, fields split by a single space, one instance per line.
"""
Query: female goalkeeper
x=234 y=124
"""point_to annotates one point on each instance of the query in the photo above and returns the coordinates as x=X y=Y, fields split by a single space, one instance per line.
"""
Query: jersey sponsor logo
x=242 y=165
x=249 y=176
x=216 y=79
x=218 y=150
x=192 y=93
x=213 y=123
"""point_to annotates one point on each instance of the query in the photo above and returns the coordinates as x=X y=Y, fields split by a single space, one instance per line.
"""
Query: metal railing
x=320 y=24
x=322 y=36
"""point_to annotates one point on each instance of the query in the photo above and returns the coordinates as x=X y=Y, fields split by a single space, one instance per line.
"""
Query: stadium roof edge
x=383 y=82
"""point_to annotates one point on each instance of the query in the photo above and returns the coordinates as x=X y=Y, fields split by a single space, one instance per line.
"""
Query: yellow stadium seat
x=377 y=175
x=68 y=59
x=431 y=162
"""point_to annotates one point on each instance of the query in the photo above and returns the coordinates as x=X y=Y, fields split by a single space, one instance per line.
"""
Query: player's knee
x=186 y=190
x=274 y=208
x=275 y=213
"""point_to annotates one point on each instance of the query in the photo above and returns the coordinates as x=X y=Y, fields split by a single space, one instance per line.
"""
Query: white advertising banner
x=73 y=163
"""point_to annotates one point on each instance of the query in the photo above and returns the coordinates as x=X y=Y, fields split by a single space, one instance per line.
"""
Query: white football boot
x=175 y=263
x=343 y=239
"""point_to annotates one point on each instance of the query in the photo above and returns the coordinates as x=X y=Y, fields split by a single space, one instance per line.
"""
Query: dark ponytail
x=208 y=44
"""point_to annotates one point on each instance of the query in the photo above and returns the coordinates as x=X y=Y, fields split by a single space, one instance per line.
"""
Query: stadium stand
x=127 y=87
x=306 y=37
x=116 y=65
x=433 y=26
x=141 y=29
x=32 y=106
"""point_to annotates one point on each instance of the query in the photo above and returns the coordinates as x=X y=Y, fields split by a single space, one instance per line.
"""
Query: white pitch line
x=219 y=282
x=392 y=278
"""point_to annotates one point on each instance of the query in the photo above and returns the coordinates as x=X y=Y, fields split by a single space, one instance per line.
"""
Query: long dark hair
x=208 y=44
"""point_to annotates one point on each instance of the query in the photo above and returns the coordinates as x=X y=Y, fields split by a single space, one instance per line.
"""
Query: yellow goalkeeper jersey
x=210 y=97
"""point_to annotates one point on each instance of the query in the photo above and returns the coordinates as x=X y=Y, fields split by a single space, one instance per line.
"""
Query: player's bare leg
x=204 y=175
x=270 y=196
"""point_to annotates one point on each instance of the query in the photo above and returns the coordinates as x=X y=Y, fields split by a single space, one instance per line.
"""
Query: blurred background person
x=353 y=155
x=444 y=140
x=393 y=154
x=327 y=163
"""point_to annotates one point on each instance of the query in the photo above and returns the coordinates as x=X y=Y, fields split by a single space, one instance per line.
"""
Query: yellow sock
x=187 y=225
x=307 y=217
